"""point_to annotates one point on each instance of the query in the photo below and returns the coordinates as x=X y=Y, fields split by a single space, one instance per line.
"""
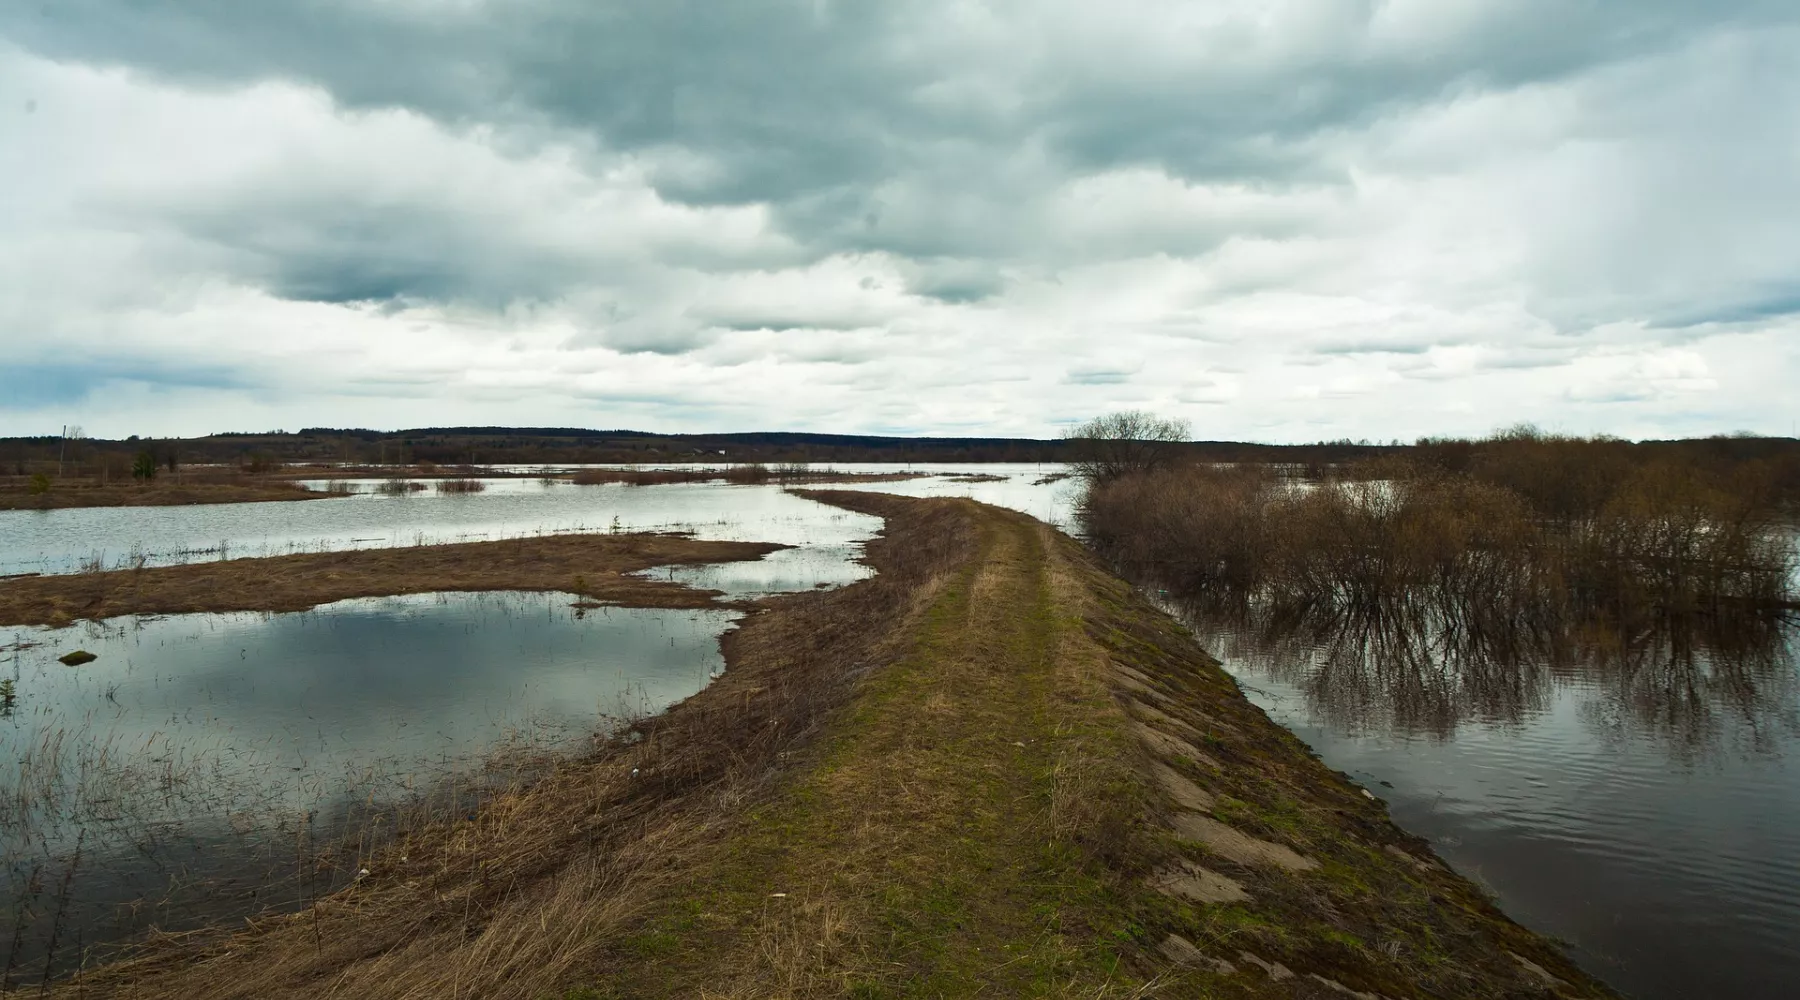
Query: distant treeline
x=502 y=445
x=452 y=446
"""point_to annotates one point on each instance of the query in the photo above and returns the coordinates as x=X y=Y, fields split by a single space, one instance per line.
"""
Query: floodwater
x=201 y=766
x=63 y=541
x=1637 y=799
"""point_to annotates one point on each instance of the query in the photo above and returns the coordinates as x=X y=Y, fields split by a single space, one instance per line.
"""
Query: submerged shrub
x=1663 y=538
x=464 y=485
x=398 y=487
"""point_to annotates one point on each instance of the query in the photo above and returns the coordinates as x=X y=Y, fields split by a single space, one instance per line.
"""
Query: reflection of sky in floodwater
x=198 y=748
x=57 y=541
x=1641 y=801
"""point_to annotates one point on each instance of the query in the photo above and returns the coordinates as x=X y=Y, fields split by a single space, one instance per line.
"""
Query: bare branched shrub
x=1120 y=444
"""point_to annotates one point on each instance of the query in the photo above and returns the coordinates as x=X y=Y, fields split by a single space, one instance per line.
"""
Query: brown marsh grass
x=16 y=493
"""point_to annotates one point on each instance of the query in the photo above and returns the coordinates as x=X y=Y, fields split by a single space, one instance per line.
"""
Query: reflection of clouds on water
x=58 y=541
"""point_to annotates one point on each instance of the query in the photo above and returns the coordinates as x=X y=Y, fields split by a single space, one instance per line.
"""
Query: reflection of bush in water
x=1692 y=683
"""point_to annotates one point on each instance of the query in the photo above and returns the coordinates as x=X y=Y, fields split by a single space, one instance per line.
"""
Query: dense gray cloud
x=1362 y=217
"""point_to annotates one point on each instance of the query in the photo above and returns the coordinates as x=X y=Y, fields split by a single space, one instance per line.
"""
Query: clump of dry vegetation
x=397 y=486
x=461 y=485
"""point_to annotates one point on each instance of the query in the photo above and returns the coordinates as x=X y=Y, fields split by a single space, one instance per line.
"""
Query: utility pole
x=62 y=447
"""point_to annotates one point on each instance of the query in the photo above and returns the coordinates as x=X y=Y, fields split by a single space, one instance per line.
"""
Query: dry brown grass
x=594 y=566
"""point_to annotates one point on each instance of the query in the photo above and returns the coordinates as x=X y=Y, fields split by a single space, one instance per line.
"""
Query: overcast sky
x=1281 y=219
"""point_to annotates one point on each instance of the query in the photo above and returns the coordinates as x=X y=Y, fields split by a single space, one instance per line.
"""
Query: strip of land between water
x=596 y=567
x=66 y=495
x=991 y=768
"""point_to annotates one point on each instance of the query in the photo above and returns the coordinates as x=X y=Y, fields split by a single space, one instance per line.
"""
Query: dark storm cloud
x=863 y=126
x=784 y=100
x=1774 y=304
x=330 y=249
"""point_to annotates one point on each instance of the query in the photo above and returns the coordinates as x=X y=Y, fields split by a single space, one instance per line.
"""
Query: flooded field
x=208 y=767
x=66 y=541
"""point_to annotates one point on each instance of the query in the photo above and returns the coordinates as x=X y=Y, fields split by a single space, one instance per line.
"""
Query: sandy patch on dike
x=1230 y=842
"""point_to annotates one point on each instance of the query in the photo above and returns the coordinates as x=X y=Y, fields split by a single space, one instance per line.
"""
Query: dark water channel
x=203 y=765
x=1637 y=797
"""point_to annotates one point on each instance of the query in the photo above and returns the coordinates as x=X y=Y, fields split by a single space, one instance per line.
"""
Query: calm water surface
x=1639 y=802
x=196 y=768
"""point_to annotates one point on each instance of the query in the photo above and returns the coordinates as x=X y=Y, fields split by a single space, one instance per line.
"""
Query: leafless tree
x=1119 y=444
x=71 y=432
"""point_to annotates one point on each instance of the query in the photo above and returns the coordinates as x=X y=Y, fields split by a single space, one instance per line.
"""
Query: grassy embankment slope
x=593 y=566
x=992 y=768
